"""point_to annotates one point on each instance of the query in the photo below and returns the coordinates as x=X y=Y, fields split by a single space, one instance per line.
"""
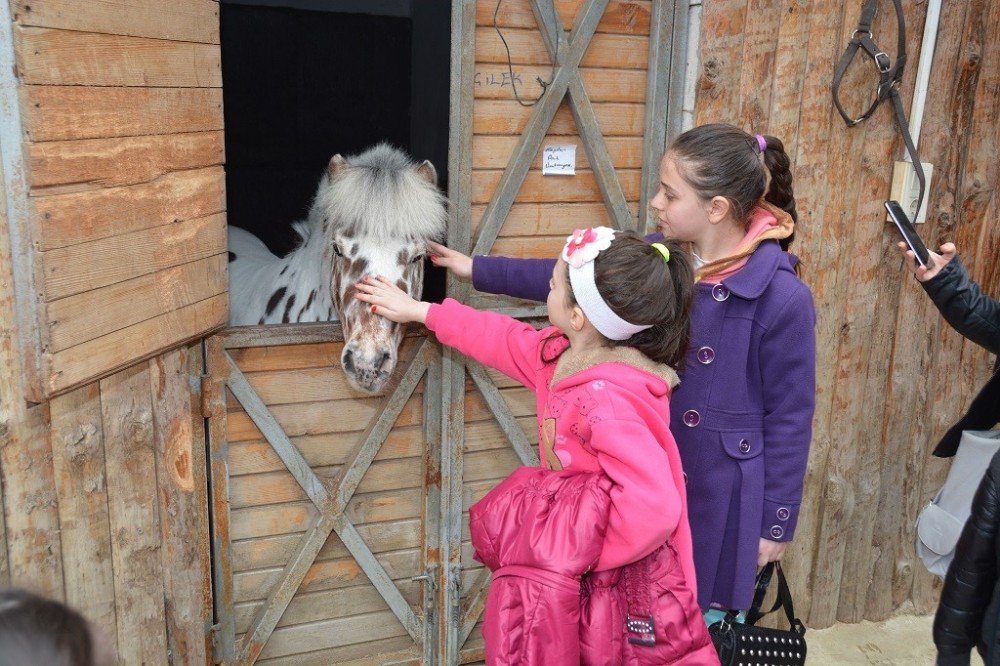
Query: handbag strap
x=783 y=600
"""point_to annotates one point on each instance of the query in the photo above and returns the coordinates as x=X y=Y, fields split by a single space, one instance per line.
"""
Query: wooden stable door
x=325 y=502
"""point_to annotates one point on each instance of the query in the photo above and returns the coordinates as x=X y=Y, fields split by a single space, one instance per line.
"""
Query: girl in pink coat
x=603 y=375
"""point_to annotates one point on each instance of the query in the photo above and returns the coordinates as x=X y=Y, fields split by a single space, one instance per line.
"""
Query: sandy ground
x=899 y=641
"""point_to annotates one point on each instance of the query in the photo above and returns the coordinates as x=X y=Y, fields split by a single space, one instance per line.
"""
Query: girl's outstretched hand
x=456 y=262
x=390 y=301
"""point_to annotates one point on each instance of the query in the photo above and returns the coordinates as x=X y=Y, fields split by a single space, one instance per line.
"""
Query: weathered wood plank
x=120 y=349
x=329 y=604
x=493 y=81
x=333 y=633
x=508 y=117
x=355 y=654
x=257 y=457
x=531 y=247
x=722 y=26
x=277 y=487
x=621 y=17
x=54 y=113
x=120 y=259
x=505 y=419
x=315 y=490
x=546 y=219
x=582 y=187
x=287 y=357
x=84 y=525
x=273 y=551
x=136 y=546
x=817 y=132
x=83 y=317
x=316 y=418
x=264 y=620
x=292 y=517
x=71 y=219
x=329 y=575
x=68 y=58
x=377 y=574
x=191 y=21
x=179 y=439
x=526 y=48
x=213 y=387
x=63 y=166
x=760 y=37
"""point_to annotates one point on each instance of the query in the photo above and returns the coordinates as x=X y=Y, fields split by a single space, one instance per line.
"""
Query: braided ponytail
x=779 y=190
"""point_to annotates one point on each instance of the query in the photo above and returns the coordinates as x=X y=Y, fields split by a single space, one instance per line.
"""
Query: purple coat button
x=706 y=355
x=691 y=418
x=782 y=513
x=720 y=292
x=744 y=446
x=777 y=531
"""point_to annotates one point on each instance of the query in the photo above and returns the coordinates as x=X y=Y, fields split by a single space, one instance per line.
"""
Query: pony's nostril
x=349 y=361
x=386 y=361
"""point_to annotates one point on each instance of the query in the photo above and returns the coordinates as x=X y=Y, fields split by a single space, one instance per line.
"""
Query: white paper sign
x=559 y=160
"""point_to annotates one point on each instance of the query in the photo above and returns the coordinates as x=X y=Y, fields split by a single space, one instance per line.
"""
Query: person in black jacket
x=969 y=611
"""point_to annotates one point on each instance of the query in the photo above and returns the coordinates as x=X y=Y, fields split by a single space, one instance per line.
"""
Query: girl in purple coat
x=742 y=415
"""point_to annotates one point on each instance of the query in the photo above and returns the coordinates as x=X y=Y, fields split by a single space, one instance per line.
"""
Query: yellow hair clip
x=662 y=249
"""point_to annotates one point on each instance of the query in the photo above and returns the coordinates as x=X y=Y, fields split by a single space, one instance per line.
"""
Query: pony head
x=377 y=211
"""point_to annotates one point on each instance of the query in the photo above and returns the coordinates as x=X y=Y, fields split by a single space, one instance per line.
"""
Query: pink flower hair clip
x=584 y=245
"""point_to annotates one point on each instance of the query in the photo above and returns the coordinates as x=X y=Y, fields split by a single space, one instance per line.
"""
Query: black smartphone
x=908 y=232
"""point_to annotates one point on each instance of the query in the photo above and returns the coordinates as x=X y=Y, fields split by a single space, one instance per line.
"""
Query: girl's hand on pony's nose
x=389 y=301
x=456 y=262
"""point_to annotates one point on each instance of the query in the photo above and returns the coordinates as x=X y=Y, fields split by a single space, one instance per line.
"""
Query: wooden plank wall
x=337 y=615
x=121 y=108
x=892 y=375
x=548 y=208
x=104 y=498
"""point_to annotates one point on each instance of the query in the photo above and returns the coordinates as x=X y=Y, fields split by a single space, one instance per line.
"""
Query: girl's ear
x=718 y=209
x=577 y=319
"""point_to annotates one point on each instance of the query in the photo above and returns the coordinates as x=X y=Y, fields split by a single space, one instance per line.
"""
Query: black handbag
x=750 y=645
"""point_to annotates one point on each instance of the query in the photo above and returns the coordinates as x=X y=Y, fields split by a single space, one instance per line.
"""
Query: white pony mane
x=380 y=193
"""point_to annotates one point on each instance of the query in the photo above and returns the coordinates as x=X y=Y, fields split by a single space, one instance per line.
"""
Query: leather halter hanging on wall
x=890 y=76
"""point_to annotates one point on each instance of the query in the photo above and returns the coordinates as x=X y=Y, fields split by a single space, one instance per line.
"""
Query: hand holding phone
x=908 y=232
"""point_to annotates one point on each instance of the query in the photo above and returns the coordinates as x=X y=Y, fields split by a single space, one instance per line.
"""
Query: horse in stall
x=373 y=214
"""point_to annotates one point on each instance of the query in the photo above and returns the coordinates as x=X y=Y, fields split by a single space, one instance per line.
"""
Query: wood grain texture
x=765 y=65
x=188 y=21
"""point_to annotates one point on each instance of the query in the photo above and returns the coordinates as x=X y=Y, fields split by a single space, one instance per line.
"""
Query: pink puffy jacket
x=541 y=532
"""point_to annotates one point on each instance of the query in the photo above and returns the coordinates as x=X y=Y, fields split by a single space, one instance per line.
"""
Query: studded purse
x=750 y=645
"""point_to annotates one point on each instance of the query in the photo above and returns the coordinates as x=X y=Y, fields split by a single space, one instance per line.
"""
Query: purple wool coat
x=742 y=415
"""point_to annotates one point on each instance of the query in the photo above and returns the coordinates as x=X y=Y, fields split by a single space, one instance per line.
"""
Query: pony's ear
x=336 y=165
x=427 y=171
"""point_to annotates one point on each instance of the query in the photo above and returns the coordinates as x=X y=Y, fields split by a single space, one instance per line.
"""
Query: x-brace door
x=330 y=497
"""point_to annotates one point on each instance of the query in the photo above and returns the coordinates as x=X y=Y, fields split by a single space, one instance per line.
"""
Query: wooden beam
x=401 y=386
x=82 y=487
x=567 y=64
x=267 y=616
x=475 y=602
x=379 y=578
x=662 y=37
x=501 y=412
x=262 y=417
x=179 y=438
x=213 y=408
x=134 y=515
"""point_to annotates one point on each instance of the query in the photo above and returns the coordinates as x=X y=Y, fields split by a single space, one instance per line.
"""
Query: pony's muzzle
x=367 y=370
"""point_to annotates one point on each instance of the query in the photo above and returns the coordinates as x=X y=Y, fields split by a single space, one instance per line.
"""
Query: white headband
x=579 y=253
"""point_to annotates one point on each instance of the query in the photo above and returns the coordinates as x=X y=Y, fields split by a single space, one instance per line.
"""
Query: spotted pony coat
x=373 y=214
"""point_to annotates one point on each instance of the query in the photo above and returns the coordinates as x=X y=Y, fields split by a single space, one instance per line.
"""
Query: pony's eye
x=417 y=259
x=336 y=250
